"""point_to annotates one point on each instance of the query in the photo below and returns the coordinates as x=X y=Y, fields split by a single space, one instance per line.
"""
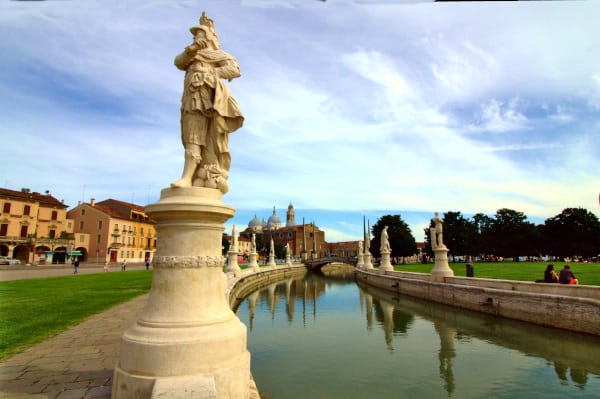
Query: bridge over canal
x=318 y=263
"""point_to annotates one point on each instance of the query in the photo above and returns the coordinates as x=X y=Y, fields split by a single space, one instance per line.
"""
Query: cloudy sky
x=353 y=108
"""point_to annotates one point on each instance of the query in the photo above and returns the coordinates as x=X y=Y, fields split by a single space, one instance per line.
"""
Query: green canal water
x=323 y=336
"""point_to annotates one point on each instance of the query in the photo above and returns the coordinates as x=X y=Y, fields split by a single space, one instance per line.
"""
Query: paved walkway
x=78 y=363
x=75 y=364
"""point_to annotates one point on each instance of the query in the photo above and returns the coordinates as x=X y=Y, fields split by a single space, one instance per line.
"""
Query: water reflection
x=327 y=347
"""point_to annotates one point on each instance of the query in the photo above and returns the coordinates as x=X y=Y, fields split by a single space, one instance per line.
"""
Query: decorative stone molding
x=187 y=262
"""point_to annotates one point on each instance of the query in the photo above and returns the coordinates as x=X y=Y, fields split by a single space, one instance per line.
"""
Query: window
x=82 y=211
x=23 y=231
x=54 y=215
x=27 y=210
x=3 y=229
x=52 y=234
x=98 y=239
x=81 y=238
x=6 y=207
x=141 y=230
x=81 y=225
x=99 y=224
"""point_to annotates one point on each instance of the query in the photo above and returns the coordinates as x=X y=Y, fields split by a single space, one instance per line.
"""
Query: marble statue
x=253 y=243
x=272 y=247
x=208 y=110
x=385 y=242
x=287 y=249
x=436 y=233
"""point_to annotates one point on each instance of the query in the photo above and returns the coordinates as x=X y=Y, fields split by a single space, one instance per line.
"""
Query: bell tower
x=291 y=218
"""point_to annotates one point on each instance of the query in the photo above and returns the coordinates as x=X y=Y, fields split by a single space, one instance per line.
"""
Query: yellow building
x=118 y=230
x=34 y=228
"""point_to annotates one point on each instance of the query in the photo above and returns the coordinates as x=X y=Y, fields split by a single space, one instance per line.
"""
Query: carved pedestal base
x=272 y=260
x=367 y=263
x=232 y=262
x=187 y=343
x=441 y=268
x=386 y=264
x=252 y=261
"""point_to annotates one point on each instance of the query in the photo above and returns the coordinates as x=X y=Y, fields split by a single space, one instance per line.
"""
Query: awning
x=75 y=253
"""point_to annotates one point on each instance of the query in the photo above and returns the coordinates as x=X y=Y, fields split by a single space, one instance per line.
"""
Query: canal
x=324 y=336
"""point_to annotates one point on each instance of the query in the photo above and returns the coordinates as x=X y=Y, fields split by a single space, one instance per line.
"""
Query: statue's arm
x=228 y=69
x=183 y=60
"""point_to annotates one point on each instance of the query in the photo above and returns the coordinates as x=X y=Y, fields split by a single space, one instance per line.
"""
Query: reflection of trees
x=574 y=355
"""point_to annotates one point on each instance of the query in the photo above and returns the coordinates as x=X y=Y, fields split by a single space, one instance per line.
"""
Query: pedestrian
x=75 y=265
x=105 y=266
x=550 y=275
x=123 y=265
x=147 y=263
x=566 y=276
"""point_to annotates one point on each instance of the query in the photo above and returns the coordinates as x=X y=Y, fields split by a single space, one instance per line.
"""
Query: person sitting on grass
x=550 y=275
x=567 y=276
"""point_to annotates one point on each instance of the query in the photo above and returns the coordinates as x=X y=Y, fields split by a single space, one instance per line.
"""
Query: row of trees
x=573 y=232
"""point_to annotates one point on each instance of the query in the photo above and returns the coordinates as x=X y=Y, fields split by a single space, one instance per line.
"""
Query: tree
x=511 y=235
x=573 y=232
x=402 y=242
x=225 y=243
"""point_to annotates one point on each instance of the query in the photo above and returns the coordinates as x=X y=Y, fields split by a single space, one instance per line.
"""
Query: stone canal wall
x=242 y=283
x=575 y=308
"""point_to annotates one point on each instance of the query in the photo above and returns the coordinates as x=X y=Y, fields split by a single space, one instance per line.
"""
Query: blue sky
x=352 y=107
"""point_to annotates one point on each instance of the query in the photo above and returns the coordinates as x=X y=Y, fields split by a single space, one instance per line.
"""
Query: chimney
x=93 y=201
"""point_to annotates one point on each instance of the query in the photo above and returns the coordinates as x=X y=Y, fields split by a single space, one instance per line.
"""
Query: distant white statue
x=360 y=247
x=436 y=233
x=385 y=241
x=287 y=249
x=234 y=238
x=253 y=243
x=272 y=247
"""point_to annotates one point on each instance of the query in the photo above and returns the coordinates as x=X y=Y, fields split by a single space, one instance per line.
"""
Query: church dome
x=256 y=222
x=274 y=221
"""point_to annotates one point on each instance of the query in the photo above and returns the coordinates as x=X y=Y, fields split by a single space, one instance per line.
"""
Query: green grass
x=34 y=309
x=586 y=273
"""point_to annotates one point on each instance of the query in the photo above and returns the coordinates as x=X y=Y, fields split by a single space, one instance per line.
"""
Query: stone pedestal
x=288 y=260
x=253 y=261
x=386 y=264
x=441 y=267
x=360 y=260
x=187 y=342
x=367 y=263
x=232 y=262
x=272 y=260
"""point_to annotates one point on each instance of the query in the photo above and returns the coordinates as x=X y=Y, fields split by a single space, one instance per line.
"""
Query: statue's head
x=205 y=34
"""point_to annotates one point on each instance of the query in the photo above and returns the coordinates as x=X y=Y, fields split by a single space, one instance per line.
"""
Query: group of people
x=565 y=276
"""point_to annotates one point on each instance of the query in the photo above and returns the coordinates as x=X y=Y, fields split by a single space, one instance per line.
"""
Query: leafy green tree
x=225 y=243
x=573 y=232
x=483 y=226
x=402 y=242
x=511 y=235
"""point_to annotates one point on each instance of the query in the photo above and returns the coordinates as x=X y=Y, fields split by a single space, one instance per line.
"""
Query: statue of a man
x=436 y=233
x=253 y=243
x=208 y=110
x=385 y=242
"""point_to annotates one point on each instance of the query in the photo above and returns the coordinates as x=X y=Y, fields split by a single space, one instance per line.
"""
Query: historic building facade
x=304 y=240
x=35 y=228
x=118 y=230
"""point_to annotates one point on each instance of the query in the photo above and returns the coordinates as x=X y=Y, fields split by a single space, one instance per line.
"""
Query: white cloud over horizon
x=351 y=107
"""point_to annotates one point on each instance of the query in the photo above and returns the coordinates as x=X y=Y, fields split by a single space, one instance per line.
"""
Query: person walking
x=147 y=263
x=75 y=265
x=123 y=265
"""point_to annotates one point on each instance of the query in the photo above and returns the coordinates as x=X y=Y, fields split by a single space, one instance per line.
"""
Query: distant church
x=304 y=239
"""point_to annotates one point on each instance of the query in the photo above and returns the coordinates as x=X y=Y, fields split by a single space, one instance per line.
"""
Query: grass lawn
x=35 y=309
x=586 y=273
